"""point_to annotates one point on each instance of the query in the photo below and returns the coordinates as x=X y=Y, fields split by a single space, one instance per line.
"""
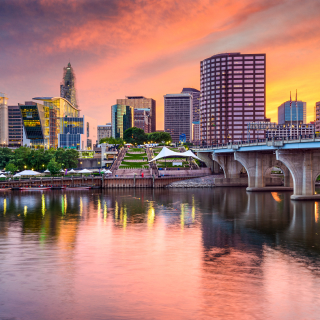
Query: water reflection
x=183 y=254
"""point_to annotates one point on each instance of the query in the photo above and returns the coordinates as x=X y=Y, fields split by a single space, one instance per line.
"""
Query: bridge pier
x=304 y=166
x=206 y=157
x=259 y=166
x=231 y=167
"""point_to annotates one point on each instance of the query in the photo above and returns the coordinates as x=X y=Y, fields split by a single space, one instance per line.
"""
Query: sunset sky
x=153 y=47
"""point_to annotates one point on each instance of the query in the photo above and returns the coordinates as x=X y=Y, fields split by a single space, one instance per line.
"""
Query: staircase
x=194 y=165
x=119 y=159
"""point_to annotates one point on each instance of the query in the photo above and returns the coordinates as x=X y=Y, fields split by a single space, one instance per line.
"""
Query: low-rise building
x=317 y=117
x=284 y=131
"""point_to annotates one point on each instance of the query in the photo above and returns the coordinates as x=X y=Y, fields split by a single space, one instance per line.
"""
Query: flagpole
x=297 y=112
x=290 y=116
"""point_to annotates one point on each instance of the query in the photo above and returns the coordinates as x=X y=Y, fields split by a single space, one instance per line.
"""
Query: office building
x=284 y=112
x=232 y=94
x=15 y=127
x=104 y=131
x=140 y=102
x=78 y=133
x=317 y=117
x=196 y=131
x=67 y=86
x=42 y=122
x=285 y=130
x=195 y=101
x=142 y=119
x=122 y=118
x=3 y=120
x=178 y=111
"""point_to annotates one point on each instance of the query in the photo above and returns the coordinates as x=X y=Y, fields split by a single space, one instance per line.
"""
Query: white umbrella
x=16 y=175
x=61 y=170
x=108 y=171
x=47 y=171
x=29 y=173
x=85 y=171
x=2 y=176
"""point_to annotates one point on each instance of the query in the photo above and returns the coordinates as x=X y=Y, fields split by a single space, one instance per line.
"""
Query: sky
x=151 y=48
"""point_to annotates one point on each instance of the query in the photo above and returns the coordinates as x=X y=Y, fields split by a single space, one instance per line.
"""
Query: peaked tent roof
x=28 y=173
x=165 y=153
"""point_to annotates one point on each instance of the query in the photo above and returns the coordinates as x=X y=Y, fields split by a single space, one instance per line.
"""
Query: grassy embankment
x=138 y=156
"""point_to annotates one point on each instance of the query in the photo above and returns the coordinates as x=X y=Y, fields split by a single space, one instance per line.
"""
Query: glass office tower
x=42 y=122
x=284 y=112
x=122 y=118
x=233 y=93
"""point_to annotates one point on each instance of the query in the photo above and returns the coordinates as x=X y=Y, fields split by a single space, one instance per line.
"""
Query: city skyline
x=157 y=60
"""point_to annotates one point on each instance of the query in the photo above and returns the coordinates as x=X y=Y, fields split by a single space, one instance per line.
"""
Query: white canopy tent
x=2 y=176
x=85 y=171
x=47 y=171
x=29 y=173
x=17 y=175
x=72 y=171
x=107 y=171
x=166 y=153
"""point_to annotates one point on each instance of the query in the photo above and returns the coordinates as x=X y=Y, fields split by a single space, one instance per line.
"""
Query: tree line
x=24 y=158
x=137 y=136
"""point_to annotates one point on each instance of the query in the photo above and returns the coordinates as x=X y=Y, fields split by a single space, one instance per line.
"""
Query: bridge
x=297 y=157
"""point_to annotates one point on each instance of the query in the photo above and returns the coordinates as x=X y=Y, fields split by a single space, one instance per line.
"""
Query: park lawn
x=141 y=165
x=135 y=156
x=170 y=165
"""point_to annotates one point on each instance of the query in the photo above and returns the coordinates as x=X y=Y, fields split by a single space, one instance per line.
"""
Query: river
x=216 y=253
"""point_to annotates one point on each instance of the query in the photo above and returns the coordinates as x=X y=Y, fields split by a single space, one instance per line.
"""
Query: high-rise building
x=15 y=127
x=317 y=117
x=195 y=101
x=284 y=112
x=104 y=131
x=142 y=119
x=232 y=94
x=121 y=119
x=140 y=102
x=67 y=86
x=178 y=111
x=3 y=120
x=42 y=122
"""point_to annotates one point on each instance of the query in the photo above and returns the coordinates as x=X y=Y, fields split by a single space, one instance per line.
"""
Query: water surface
x=216 y=253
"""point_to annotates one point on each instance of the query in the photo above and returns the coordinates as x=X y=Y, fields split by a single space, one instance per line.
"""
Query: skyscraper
x=3 y=119
x=232 y=94
x=140 y=102
x=284 y=112
x=178 y=111
x=195 y=102
x=67 y=86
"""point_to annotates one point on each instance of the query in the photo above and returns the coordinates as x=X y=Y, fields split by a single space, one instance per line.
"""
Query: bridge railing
x=236 y=144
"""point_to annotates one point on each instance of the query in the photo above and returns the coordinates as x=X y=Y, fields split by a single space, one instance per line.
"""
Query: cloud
x=122 y=47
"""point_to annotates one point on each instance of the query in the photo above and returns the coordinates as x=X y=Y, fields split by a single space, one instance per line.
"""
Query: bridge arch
x=231 y=168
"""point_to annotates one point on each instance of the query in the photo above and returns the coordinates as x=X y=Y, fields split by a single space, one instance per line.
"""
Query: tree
x=112 y=140
x=135 y=135
x=11 y=168
x=6 y=155
x=159 y=137
x=21 y=156
x=71 y=158
x=54 y=167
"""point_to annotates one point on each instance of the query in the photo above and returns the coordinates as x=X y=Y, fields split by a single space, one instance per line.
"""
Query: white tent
x=107 y=171
x=72 y=171
x=166 y=153
x=85 y=171
x=28 y=173
x=2 y=176
x=17 y=175
x=47 y=171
